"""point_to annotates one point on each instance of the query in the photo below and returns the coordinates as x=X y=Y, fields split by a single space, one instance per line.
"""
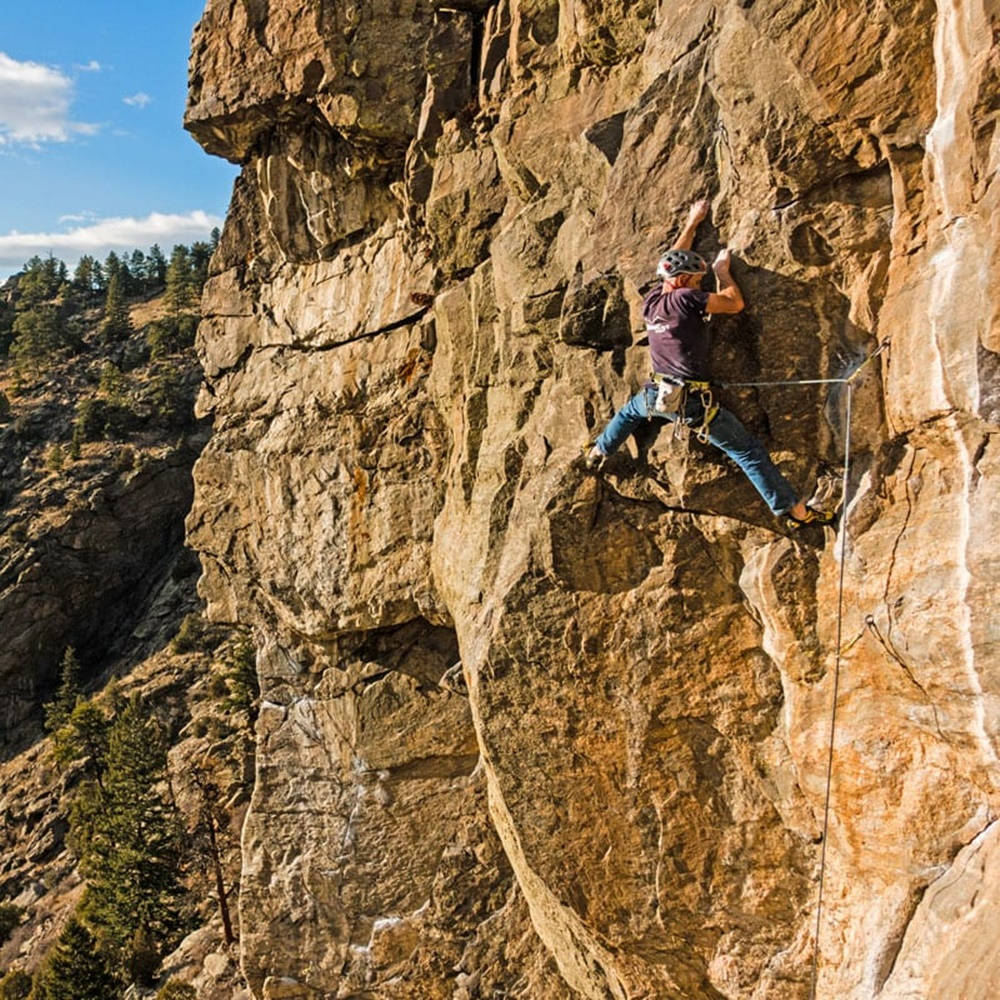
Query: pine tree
x=6 y=326
x=112 y=265
x=201 y=254
x=83 y=276
x=212 y=840
x=127 y=279
x=170 y=398
x=30 y=288
x=83 y=736
x=133 y=860
x=39 y=281
x=75 y=969
x=16 y=985
x=116 y=325
x=139 y=270
x=156 y=267
x=58 y=711
x=242 y=681
x=180 y=288
x=38 y=334
x=85 y=811
x=143 y=957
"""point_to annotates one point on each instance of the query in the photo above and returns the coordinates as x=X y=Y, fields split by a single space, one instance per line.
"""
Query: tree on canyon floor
x=215 y=775
x=75 y=969
x=15 y=985
x=212 y=834
x=125 y=830
x=133 y=851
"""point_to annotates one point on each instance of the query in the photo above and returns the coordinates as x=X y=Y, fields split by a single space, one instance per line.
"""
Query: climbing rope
x=836 y=683
x=788 y=381
x=845 y=486
x=812 y=381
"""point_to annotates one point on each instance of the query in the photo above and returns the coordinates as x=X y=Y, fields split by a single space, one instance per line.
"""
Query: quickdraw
x=709 y=406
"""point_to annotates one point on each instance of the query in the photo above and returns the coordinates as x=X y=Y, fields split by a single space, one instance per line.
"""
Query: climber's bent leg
x=623 y=423
x=730 y=436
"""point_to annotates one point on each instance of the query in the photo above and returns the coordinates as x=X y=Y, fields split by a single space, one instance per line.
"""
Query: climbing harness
x=845 y=485
x=672 y=395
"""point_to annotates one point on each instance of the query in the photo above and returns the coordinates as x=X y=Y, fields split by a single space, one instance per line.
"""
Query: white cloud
x=92 y=67
x=35 y=104
x=100 y=237
x=139 y=100
x=84 y=216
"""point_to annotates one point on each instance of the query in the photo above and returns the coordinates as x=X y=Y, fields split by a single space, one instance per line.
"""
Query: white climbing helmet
x=675 y=262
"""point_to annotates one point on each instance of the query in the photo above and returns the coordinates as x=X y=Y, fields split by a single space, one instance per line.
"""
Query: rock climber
x=675 y=313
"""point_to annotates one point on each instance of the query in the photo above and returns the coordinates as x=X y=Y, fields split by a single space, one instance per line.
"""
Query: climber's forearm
x=686 y=238
x=728 y=298
x=728 y=289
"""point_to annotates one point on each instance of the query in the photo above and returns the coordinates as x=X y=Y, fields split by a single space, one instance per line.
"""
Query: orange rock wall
x=426 y=300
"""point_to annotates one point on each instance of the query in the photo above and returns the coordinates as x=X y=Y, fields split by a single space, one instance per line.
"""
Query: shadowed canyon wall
x=425 y=302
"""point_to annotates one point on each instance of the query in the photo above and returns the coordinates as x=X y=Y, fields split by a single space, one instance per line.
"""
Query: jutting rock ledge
x=424 y=303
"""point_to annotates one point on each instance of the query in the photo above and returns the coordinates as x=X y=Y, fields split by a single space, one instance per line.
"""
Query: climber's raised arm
x=696 y=213
x=729 y=298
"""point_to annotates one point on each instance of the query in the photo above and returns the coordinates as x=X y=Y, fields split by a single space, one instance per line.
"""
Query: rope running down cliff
x=845 y=484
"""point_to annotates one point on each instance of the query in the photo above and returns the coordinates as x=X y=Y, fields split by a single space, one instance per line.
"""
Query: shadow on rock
x=603 y=545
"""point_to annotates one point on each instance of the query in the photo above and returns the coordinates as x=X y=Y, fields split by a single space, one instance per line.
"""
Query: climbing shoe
x=453 y=680
x=595 y=459
x=813 y=516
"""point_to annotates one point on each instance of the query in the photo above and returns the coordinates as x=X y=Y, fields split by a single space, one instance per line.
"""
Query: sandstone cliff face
x=425 y=302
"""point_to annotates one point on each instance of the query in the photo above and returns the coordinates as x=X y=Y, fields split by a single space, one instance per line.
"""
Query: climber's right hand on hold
x=698 y=212
x=728 y=299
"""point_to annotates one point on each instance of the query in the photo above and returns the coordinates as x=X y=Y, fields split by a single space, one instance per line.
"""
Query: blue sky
x=92 y=153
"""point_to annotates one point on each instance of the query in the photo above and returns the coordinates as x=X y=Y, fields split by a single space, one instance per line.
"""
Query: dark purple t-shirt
x=678 y=337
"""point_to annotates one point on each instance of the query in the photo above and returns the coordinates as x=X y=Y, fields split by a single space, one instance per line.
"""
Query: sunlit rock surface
x=425 y=302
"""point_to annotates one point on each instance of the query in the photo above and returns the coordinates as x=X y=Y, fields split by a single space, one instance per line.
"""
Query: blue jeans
x=725 y=432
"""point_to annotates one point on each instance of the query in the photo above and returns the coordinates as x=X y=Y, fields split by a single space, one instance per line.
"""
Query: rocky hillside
x=97 y=440
x=425 y=302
